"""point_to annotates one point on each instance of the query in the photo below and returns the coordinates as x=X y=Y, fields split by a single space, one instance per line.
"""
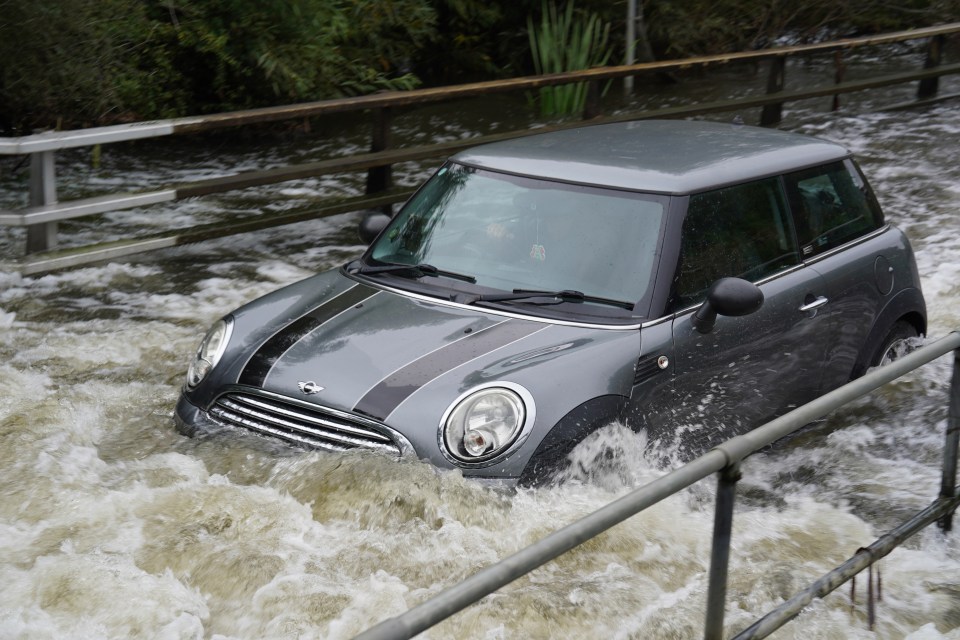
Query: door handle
x=816 y=304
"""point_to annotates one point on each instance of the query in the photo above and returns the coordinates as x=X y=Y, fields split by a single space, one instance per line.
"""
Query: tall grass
x=565 y=41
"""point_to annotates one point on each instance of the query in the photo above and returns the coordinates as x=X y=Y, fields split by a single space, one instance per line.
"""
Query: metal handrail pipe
x=86 y=207
x=739 y=447
x=111 y=250
x=489 y=579
x=858 y=562
x=58 y=140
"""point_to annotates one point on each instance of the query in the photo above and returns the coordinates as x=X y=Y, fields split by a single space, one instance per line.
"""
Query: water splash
x=112 y=525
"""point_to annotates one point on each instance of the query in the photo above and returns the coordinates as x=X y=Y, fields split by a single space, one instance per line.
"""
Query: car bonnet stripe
x=259 y=366
x=387 y=395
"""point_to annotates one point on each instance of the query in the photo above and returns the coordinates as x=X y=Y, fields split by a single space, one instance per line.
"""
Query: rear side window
x=831 y=205
x=742 y=231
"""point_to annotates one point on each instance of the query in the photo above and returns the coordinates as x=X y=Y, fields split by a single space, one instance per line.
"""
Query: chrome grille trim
x=314 y=426
x=275 y=425
x=299 y=415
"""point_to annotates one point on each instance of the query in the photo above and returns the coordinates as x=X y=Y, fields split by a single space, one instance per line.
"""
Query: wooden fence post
x=928 y=86
x=591 y=108
x=839 y=70
x=773 y=113
x=381 y=178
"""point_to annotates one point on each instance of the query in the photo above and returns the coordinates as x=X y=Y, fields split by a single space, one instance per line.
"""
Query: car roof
x=661 y=156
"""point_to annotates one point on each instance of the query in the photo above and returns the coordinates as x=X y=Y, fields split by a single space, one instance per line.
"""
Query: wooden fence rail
x=45 y=211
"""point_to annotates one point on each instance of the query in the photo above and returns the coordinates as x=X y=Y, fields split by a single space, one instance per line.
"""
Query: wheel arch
x=907 y=305
x=579 y=422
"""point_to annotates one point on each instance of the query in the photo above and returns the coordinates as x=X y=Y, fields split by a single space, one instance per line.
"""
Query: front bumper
x=191 y=421
x=292 y=420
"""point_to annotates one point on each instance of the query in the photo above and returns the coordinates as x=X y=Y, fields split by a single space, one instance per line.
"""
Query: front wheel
x=898 y=342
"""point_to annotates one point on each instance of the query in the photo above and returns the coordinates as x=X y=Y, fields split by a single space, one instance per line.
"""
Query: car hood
x=367 y=350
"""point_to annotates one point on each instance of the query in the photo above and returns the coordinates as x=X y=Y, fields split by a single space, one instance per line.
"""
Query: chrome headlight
x=484 y=423
x=209 y=352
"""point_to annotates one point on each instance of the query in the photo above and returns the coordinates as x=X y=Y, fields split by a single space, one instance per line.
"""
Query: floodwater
x=112 y=525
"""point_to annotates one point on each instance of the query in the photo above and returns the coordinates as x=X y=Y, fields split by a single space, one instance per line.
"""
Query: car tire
x=896 y=344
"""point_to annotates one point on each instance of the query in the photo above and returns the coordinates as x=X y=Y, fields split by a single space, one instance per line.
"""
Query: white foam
x=112 y=525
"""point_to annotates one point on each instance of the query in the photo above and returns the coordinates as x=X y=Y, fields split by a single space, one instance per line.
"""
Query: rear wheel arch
x=905 y=310
x=918 y=321
x=901 y=331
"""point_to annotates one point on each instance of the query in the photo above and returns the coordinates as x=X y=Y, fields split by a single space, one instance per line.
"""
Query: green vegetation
x=101 y=61
x=565 y=42
x=682 y=28
x=87 y=62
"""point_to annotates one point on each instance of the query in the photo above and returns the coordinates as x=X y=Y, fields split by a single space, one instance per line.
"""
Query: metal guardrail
x=725 y=460
x=45 y=211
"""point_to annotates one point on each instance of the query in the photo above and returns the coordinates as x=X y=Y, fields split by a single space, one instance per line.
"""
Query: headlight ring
x=210 y=351
x=485 y=423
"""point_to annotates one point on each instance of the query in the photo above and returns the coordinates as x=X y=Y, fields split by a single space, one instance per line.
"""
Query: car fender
x=568 y=432
x=561 y=367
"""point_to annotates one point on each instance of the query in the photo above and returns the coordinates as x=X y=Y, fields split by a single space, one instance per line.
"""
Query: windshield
x=509 y=233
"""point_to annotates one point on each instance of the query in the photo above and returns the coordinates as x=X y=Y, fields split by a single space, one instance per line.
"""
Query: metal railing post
x=720 y=556
x=928 y=86
x=43 y=191
x=948 y=487
x=773 y=113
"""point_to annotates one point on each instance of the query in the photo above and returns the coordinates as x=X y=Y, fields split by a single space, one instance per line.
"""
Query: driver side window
x=742 y=231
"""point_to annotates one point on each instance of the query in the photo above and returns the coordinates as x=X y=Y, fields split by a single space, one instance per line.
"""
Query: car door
x=751 y=368
x=833 y=208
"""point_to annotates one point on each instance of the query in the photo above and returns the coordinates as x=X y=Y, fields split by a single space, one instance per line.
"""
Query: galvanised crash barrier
x=45 y=210
x=724 y=460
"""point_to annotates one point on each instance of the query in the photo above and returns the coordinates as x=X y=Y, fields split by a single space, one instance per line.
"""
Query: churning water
x=112 y=525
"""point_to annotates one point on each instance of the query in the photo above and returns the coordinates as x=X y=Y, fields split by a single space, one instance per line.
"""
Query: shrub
x=563 y=42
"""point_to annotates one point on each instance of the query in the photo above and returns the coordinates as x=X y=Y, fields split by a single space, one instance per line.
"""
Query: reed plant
x=566 y=41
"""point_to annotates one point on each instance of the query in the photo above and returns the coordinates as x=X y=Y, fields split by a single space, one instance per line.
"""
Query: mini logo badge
x=310 y=387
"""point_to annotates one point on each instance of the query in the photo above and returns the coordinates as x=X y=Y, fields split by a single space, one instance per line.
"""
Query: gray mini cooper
x=688 y=278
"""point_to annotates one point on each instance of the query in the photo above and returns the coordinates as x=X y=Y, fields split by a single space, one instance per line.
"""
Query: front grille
x=319 y=427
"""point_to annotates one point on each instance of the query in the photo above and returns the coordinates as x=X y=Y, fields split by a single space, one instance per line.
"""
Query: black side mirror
x=372 y=223
x=727 y=297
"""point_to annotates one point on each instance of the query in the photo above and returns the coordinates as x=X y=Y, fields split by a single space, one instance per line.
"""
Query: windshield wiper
x=566 y=295
x=417 y=270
